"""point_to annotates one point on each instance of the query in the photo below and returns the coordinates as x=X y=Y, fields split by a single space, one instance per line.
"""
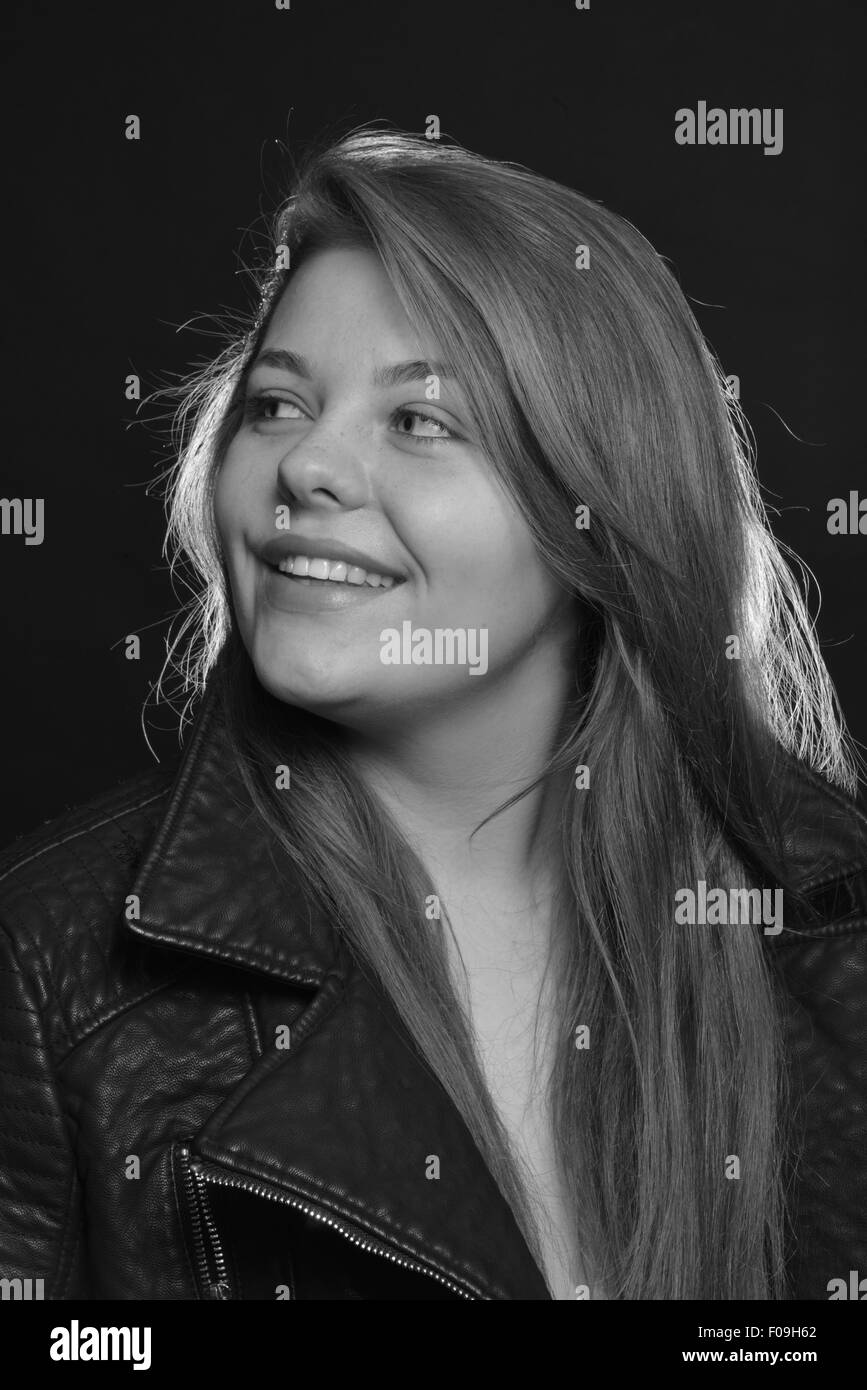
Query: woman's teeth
x=337 y=571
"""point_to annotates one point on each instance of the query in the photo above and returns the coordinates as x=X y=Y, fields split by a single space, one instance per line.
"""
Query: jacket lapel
x=351 y=1121
x=213 y=881
x=349 y=1118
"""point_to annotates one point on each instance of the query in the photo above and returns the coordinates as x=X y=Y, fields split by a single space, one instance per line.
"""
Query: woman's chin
x=319 y=692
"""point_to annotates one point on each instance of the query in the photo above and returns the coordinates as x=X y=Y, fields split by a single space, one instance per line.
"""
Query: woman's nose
x=323 y=471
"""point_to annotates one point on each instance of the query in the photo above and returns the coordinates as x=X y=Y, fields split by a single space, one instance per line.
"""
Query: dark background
x=116 y=244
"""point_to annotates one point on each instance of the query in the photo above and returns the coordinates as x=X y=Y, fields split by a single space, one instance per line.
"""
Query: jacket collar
x=213 y=882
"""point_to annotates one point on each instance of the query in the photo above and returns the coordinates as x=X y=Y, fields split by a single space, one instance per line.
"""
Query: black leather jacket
x=157 y=1142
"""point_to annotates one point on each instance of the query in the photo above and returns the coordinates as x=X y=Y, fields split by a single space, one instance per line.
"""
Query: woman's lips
x=322 y=553
x=334 y=572
x=301 y=594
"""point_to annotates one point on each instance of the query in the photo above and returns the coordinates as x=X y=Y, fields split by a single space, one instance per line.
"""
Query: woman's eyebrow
x=398 y=374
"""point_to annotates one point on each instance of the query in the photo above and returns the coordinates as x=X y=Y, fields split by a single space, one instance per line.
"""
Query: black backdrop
x=115 y=244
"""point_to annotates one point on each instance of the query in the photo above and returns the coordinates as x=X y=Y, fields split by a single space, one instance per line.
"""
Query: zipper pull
x=219 y=1290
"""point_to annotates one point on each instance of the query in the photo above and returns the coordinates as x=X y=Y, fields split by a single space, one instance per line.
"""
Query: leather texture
x=267 y=1171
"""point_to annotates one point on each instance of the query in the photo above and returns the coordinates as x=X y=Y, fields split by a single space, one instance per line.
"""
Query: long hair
x=593 y=387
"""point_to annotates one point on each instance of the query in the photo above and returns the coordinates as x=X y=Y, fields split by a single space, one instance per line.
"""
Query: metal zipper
x=206 y=1236
x=210 y=1261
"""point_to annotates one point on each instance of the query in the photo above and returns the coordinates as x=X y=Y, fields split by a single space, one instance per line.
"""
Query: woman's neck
x=445 y=775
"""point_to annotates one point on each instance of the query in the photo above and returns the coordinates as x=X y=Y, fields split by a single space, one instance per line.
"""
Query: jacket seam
x=92 y=876
x=70 y=1261
x=87 y=829
x=70 y=1229
x=17 y=1134
x=94 y=1024
x=256 y=1047
x=829 y=931
x=811 y=884
x=180 y=790
x=61 y=949
x=248 y=958
x=82 y=917
x=47 y=972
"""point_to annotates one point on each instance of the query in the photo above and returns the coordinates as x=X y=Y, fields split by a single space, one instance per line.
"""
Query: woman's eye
x=413 y=424
x=271 y=408
x=432 y=431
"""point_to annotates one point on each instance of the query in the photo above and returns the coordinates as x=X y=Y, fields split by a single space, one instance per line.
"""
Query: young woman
x=502 y=933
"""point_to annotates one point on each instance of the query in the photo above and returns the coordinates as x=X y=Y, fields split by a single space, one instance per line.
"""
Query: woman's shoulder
x=819 y=960
x=70 y=874
x=825 y=842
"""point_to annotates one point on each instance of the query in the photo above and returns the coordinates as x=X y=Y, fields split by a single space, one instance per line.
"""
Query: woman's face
x=348 y=471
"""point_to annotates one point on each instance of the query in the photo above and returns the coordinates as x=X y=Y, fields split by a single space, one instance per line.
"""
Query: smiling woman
x=419 y=519
x=406 y=950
